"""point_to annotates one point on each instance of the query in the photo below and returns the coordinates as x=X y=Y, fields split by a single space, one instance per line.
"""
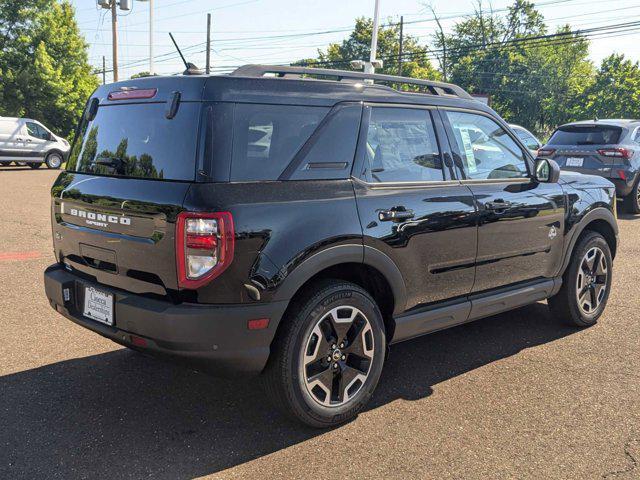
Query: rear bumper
x=623 y=187
x=214 y=338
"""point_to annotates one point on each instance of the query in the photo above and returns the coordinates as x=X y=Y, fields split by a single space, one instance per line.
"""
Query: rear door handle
x=394 y=215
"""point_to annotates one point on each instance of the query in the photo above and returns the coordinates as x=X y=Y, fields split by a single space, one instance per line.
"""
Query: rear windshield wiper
x=116 y=163
x=585 y=143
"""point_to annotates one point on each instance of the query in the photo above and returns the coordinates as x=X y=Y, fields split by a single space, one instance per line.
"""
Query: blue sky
x=281 y=31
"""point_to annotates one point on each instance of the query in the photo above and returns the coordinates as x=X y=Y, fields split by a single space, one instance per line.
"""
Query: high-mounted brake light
x=133 y=94
x=546 y=152
x=616 y=153
x=204 y=247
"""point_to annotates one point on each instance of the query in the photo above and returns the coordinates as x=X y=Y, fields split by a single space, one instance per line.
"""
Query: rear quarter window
x=267 y=137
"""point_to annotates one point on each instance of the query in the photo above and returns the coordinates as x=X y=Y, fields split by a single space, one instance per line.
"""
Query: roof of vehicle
x=615 y=122
x=296 y=85
x=19 y=118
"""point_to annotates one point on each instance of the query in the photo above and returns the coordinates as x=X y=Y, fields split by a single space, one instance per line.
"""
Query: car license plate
x=98 y=305
x=574 y=162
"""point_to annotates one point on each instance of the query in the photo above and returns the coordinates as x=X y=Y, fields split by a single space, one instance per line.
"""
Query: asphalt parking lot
x=514 y=396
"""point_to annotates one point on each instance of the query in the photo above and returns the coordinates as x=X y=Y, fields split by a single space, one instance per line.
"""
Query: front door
x=410 y=208
x=521 y=221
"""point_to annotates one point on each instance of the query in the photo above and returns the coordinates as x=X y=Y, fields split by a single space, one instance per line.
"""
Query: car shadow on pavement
x=121 y=414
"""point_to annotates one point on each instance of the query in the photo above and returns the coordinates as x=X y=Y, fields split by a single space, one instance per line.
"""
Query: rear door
x=582 y=148
x=410 y=207
x=520 y=221
x=116 y=206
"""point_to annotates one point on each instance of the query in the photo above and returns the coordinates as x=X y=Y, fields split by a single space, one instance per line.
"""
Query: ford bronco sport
x=294 y=222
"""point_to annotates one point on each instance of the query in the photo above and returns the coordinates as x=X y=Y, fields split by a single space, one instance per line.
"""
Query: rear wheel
x=35 y=165
x=328 y=355
x=586 y=283
x=5 y=164
x=632 y=201
x=54 y=160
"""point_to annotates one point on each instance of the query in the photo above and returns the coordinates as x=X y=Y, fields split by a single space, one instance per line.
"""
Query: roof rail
x=435 y=88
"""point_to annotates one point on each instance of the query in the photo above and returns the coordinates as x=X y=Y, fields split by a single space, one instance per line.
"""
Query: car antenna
x=191 y=68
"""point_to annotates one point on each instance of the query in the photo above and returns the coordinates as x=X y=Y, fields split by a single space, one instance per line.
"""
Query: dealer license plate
x=98 y=305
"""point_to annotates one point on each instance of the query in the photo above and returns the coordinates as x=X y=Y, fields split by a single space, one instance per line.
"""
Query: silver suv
x=27 y=141
x=608 y=148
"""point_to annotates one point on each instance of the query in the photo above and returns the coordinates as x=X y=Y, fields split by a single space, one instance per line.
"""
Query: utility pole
x=208 y=68
x=104 y=70
x=400 y=49
x=114 y=35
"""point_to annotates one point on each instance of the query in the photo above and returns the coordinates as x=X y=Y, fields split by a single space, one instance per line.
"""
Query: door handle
x=28 y=140
x=394 y=215
x=498 y=205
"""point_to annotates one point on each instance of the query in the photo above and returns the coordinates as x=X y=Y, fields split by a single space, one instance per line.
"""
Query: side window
x=527 y=139
x=485 y=148
x=266 y=138
x=329 y=154
x=636 y=136
x=401 y=146
x=37 y=131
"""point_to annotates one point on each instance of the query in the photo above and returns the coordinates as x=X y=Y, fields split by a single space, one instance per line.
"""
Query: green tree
x=615 y=91
x=534 y=80
x=415 y=63
x=43 y=63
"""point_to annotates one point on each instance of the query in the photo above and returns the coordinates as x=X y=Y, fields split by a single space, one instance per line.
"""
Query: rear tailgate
x=114 y=210
x=120 y=231
x=578 y=147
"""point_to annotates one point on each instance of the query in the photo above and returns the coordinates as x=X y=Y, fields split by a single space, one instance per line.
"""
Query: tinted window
x=266 y=138
x=401 y=146
x=528 y=140
x=137 y=140
x=37 y=131
x=585 y=135
x=485 y=148
x=330 y=153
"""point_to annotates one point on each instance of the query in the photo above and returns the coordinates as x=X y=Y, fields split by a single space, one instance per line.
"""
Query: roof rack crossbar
x=435 y=88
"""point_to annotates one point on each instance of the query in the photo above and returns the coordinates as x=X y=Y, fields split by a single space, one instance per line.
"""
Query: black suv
x=294 y=222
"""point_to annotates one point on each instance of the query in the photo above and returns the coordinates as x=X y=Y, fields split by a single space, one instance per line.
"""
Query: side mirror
x=547 y=171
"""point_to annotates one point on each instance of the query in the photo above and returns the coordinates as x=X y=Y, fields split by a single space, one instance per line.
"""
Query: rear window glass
x=266 y=138
x=136 y=140
x=585 y=135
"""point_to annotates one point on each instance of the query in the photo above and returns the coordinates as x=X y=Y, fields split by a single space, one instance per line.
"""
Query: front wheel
x=586 y=283
x=35 y=165
x=328 y=355
x=54 y=160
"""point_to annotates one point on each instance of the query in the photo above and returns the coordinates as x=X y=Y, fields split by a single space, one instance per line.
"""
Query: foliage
x=615 y=91
x=415 y=63
x=43 y=63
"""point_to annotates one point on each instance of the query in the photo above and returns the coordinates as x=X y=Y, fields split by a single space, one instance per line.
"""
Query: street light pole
x=368 y=66
x=151 y=68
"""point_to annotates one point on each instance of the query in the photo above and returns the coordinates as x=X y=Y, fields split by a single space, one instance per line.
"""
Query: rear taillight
x=204 y=247
x=546 y=152
x=616 y=152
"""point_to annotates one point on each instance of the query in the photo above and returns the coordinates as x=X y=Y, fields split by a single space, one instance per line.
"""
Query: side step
x=474 y=307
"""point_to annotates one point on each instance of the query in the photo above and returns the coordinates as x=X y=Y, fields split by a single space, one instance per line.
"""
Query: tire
x=306 y=331
x=54 y=160
x=591 y=260
x=5 y=164
x=632 y=201
x=35 y=166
